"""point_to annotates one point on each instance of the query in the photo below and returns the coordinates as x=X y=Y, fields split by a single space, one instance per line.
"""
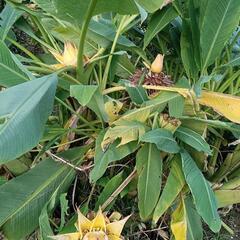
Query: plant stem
x=80 y=66
x=106 y=72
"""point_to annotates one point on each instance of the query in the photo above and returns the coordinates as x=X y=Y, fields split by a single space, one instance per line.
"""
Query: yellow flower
x=157 y=64
x=100 y=228
x=68 y=57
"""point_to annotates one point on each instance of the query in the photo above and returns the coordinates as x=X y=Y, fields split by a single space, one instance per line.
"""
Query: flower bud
x=157 y=64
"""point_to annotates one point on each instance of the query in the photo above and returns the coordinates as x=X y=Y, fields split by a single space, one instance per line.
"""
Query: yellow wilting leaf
x=179 y=222
x=127 y=131
x=112 y=108
x=224 y=104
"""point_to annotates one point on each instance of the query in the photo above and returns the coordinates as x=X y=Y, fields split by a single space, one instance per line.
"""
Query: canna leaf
x=193 y=139
x=149 y=168
x=25 y=110
x=174 y=185
x=163 y=139
x=227 y=197
x=203 y=195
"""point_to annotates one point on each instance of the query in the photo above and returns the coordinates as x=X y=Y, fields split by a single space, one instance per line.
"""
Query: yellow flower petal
x=157 y=64
x=83 y=223
x=70 y=54
x=58 y=56
x=69 y=236
x=114 y=229
x=99 y=222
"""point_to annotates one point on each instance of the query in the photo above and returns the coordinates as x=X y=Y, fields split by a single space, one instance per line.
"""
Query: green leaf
x=125 y=130
x=187 y=50
x=193 y=139
x=163 y=139
x=25 y=111
x=74 y=11
x=224 y=16
x=151 y=5
x=108 y=190
x=8 y=17
x=149 y=168
x=176 y=107
x=158 y=21
x=23 y=198
x=90 y=96
x=111 y=154
x=203 y=195
x=227 y=197
x=172 y=188
x=137 y=94
x=194 y=223
x=234 y=62
x=10 y=72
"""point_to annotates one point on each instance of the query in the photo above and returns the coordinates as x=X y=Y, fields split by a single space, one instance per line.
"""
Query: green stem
x=80 y=63
x=106 y=72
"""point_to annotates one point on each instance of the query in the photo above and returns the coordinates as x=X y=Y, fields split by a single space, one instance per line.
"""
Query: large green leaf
x=23 y=198
x=108 y=190
x=106 y=156
x=163 y=139
x=218 y=21
x=194 y=223
x=173 y=187
x=90 y=96
x=149 y=168
x=193 y=139
x=10 y=72
x=8 y=17
x=24 y=113
x=158 y=21
x=74 y=11
x=151 y=5
x=203 y=195
x=227 y=197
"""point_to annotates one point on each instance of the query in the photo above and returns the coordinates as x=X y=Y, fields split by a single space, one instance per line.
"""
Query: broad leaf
x=194 y=222
x=158 y=21
x=179 y=221
x=8 y=17
x=151 y=5
x=10 y=72
x=163 y=139
x=149 y=168
x=203 y=195
x=193 y=139
x=23 y=198
x=218 y=21
x=108 y=155
x=137 y=94
x=90 y=96
x=227 y=197
x=25 y=111
x=127 y=131
x=172 y=188
x=74 y=11
x=108 y=190
x=224 y=104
